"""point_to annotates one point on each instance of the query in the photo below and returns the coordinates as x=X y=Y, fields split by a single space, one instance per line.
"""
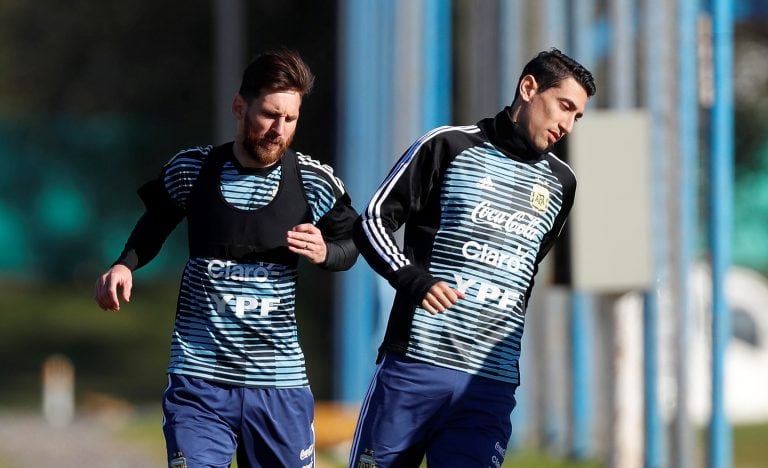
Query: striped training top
x=480 y=210
x=235 y=322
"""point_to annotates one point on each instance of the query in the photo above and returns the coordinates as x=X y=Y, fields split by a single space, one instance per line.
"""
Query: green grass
x=145 y=431
x=750 y=446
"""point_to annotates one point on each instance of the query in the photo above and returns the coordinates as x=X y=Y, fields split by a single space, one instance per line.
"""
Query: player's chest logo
x=539 y=198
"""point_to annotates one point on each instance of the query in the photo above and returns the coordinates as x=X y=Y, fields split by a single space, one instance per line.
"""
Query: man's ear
x=239 y=107
x=528 y=87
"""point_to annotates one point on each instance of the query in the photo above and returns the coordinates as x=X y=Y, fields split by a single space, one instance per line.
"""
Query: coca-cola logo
x=519 y=223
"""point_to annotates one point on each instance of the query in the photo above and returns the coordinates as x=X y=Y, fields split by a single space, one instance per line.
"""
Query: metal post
x=687 y=113
x=621 y=62
x=512 y=16
x=555 y=30
x=720 y=202
x=653 y=61
x=624 y=448
x=358 y=126
x=436 y=89
x=653 y=424
x=511 y=50
x=581 y=376
x=581 y=311
x=229 y=35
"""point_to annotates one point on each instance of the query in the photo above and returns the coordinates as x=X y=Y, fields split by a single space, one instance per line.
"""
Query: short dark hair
x=276 y=70
x=551 y=67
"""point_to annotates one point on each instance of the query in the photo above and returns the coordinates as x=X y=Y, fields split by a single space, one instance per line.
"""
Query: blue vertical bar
x=687 y=112
x=436 y=90
x=580 y=325
x=622 y=63
x=511 y=46
x=583 y=33
x=555 y=32
x=553 y=420
x=720 y=201
x=651 y=414
x=581 y=375
x=382 y=91
x=380 y=154
x=654 y=66
x=356 y=289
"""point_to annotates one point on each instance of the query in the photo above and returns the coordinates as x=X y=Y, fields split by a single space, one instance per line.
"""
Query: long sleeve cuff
x=340 y=255
x=413 y=282
x=128 y=258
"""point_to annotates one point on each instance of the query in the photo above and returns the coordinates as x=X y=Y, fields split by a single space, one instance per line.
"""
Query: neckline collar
x=508 y=136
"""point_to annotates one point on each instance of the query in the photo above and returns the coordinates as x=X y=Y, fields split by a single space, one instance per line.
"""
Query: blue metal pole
x=720 y=200
x=358 y=127
x=553 y=418
x=687 y=112
x=622 y=64
x=555 y=33
x=654 y=80
x=511 y=46
x=581 y=311
x=436 y=90
x=653 y=424
x=581 y=375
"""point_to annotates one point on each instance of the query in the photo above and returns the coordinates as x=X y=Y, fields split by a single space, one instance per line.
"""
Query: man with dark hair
x=237 y=381
x=482 y=205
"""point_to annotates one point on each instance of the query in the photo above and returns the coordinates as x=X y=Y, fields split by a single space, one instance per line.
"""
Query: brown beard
x=265 y=150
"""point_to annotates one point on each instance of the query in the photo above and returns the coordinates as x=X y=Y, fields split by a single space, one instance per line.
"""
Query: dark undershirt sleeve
x=161 y=217
x=336 y=227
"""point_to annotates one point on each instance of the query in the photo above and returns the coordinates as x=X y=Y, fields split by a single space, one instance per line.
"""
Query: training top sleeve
x=332 y=212
x=406 y=195
x=165 y=206
x=336 y=227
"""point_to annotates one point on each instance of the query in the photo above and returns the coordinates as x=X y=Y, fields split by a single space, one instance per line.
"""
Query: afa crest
x=539 y=198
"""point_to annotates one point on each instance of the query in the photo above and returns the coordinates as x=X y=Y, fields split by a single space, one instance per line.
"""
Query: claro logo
x=218 y=269
x=483 y=253
x=519 y=222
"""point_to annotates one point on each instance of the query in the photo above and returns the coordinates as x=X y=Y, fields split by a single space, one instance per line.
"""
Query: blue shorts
x=206 y=423
x=414 y=409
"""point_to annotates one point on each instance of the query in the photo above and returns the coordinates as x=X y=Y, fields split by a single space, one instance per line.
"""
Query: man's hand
x=307 y=241
x=440 y=298
x=117 y=277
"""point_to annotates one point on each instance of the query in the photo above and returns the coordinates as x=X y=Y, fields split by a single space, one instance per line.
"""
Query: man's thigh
x=403 y=401
x=197 y=422
x=277 y=428
x=476 y=428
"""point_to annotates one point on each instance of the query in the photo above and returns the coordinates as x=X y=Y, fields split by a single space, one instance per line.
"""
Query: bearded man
x=237 y=379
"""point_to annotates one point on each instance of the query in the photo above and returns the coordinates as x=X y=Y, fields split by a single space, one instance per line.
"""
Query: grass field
x=120 y=361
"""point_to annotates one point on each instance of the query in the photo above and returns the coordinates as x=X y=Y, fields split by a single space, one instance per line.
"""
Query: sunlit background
x=96 y=95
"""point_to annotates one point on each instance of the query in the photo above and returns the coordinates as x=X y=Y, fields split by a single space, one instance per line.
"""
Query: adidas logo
x=486 y=183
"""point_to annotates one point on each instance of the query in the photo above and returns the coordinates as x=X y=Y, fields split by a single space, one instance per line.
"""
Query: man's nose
x=278 y=126
x=566 y=126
